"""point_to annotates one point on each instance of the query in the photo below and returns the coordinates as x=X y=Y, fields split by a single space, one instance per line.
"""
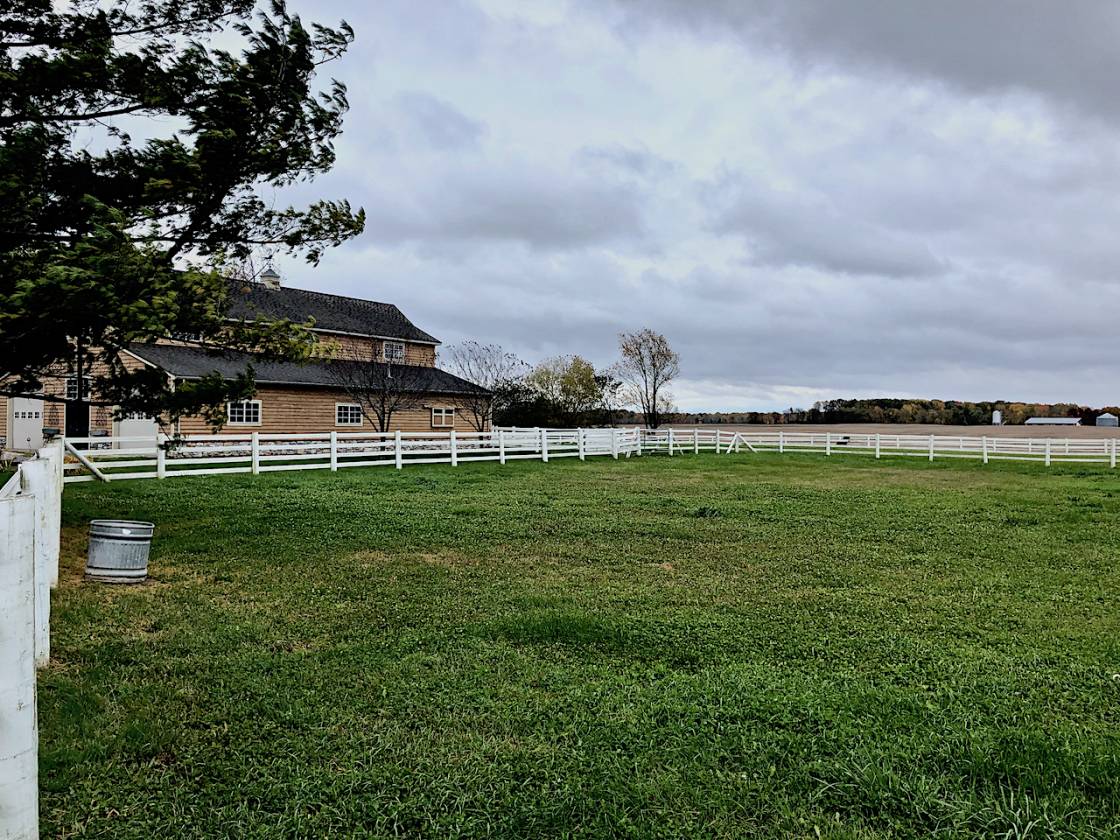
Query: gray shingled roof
x=193 y=362
x=255 y=301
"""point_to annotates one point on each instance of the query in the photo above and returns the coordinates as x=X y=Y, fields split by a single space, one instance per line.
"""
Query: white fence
x=118 y=458
x=30 y=520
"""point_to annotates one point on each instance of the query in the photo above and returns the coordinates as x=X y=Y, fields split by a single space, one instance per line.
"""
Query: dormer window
x=394 y=351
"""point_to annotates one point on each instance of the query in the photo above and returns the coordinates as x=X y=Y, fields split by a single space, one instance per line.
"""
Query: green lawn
x=736 y=646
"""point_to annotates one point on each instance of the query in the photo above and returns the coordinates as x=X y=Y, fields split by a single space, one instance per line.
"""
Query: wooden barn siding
x=311 y=411
x=365 y=349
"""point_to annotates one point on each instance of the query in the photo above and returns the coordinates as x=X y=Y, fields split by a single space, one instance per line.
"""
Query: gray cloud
x=808 y=199
x=1065 y=51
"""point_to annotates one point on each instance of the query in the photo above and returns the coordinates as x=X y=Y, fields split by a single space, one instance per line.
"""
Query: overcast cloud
x=810 y=199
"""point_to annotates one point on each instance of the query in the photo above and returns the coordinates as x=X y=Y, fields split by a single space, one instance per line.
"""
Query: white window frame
x=72 y=387
x=398 y=359
x=258 y=410
x=355 y=406
x=445 y=413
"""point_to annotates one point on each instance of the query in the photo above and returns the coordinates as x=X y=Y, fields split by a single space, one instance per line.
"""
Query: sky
x=809 y=199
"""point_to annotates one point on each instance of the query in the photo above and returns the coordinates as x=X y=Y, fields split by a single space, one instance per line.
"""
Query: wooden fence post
x=781 y=442
x=614 y=443
x=255 y=453
x=931 y=447
x=670 y=442
x=638 y=433
x=334 y=451
x=1047 y=452
x=544 y=445
x=580 y=435
x=984 y=448
x=398 y=455
x=878 y=445
x=1112 y=454
x=695 y=442
x=453 y=447
x=36 y=480
x=501 y=446
x=19 y=748
x=828 y=443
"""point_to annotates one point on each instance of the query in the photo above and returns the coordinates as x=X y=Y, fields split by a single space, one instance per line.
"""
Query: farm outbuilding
x=1108 y=419
x=1054 y=421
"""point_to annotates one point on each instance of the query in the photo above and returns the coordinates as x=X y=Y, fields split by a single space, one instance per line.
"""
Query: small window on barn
x=394 y=351
x=244 y=413
x=443 y=418
x=72 y=387
x=347 y=414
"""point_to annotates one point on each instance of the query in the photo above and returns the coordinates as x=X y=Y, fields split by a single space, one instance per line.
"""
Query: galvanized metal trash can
x=118 y=550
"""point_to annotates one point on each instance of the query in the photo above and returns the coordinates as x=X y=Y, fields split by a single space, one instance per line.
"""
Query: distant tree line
x=883 y=410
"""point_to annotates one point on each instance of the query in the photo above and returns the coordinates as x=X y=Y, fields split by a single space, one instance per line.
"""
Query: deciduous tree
x=647 y=367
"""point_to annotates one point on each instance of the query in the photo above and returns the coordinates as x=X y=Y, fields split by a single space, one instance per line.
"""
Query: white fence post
x=695 y=442
x=878 y=446
x=19 y=746
x=161 y=455
x=50 y=511
x=984 y=448
x=614 y=443
x=36 y=480
x=1112 y=454
x=501 y=446
x=255 y=451
x=398 y=456
x=638 y=433
x=781 y=442
x=670 y=441
x=334 y=451
x=1047 y=451
x=544 y=445
x=931 y=447
x=453 y=447
x=828 y=443
x=581 y=435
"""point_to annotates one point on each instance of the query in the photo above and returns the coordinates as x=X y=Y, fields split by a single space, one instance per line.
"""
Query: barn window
x=443 y=418
x=244 y=413
x=347 y=414
x=72 y=387
x=394 y=351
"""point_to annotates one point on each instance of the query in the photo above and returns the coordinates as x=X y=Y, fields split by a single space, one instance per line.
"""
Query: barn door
x=25 y=423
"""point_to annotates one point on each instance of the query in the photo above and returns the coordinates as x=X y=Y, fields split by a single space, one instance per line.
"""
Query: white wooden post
x=50 y=511
x=638 y=433
x=1112 y=455
x=19 y=746
x=501 y=446
x=718 y=433
x=398 y=455
x=878 y=446
x=580 y=435
x=161 y=456
x=544 y=445
x=614 y=443
x=695 y=442
x=255 y=450
x=781 y=442
x=334 y=451
x=36 y=480
x=1047 y=450
x=931 y=447
x=670 y=441
x=453 y=445
x=984 y=448
x=828 y=443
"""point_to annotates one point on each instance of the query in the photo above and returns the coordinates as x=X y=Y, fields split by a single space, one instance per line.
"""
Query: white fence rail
x=108 y=459
x=30 y=520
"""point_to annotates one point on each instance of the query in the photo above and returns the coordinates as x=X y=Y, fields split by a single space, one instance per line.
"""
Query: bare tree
x=647 y=367
x=491 y=367
x=380 y=389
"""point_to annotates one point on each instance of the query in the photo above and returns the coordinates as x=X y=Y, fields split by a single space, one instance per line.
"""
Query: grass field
x=743 y=646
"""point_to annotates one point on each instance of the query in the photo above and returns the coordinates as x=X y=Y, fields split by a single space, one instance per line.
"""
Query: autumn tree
x=569 y=385
x=500 y=373
x=647 y=366
x=380 y=389
x=143 y=150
